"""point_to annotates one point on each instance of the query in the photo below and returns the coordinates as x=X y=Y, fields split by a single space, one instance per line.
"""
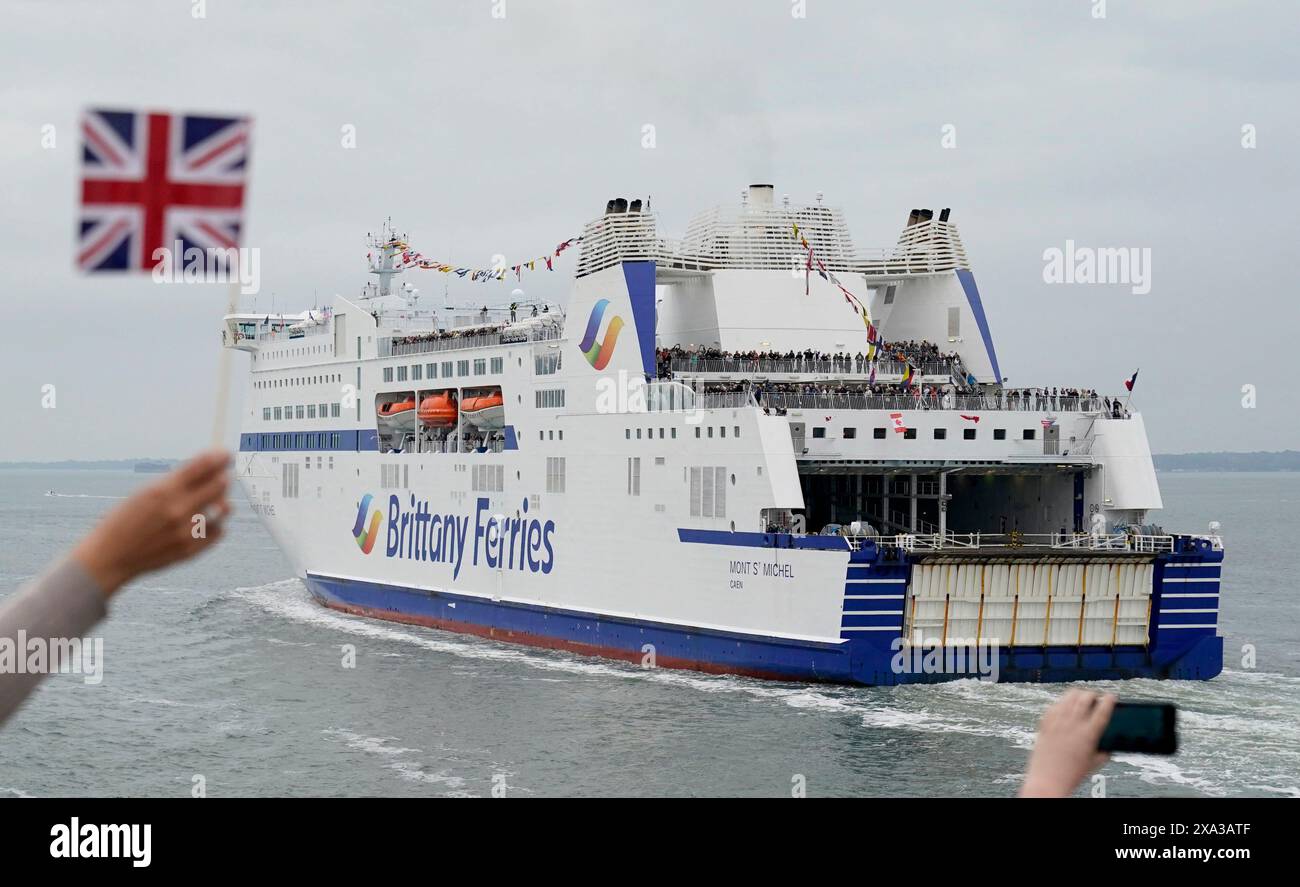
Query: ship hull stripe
x=865 y=656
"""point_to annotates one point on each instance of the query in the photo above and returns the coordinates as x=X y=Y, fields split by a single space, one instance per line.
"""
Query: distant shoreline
x=1283 y=460
x=95 y=465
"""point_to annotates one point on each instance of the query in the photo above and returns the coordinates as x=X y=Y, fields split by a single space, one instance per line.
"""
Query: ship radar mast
x=384 y=250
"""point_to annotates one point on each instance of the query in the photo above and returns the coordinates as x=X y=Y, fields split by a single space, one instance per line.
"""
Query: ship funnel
x=943 y=214
x=761 y=196
x=620 y=205
x=634 y=206
x=609 y=206
x=912 y=218
x=924 y=215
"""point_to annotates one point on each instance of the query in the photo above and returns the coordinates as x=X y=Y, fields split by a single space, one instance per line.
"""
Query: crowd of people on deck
x=483 y=328
x=921 y=355
x=926 y=358
x=927 y=397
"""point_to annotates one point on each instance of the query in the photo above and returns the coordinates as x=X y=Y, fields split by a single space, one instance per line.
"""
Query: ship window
x=638 y=434
x=498 y=365
x=1029 y=434
x=722 y=431
x=266 y=414
x=634 y=476
x=850 y=433
x=819 y=432
x=968 y=433
x=878 y=433
x=737 y=431
x=889 y=295
x=298 y=411
x=388 y=374
x=480 y=366
x=311 y=411
x=710 y=431
x=999 y=434
x=661 y=434
x=431 y=371
x=417 y=372
x=334 y=410
x=401 y=374
x=941 y=434
x=446 y=369
x=674 y=434
x=909 y=434
x=462 y=367
x=627 y=433
x=697 y=431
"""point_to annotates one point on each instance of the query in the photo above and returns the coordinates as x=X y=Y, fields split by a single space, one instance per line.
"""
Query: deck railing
x=838 y=367
x=779 y=400
x=1130 y=542
x=972 y=402
x=401 y=346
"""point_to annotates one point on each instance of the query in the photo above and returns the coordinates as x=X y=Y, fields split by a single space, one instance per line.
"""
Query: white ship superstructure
x=698 y=461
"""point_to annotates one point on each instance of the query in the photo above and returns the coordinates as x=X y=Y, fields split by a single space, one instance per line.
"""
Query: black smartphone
x=1145 y=727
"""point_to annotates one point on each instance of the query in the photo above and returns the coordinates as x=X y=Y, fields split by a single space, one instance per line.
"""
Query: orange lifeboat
x=485 y=410
x=438 y=411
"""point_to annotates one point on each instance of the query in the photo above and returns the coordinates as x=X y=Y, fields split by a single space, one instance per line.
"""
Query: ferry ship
x=700 y=461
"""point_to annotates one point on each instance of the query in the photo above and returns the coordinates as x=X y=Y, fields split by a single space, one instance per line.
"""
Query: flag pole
x=1129 y=396
x=223 y=373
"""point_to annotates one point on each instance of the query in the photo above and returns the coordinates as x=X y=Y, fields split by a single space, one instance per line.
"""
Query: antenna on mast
x=388 y=245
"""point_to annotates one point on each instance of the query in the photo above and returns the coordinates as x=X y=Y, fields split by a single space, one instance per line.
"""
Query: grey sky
x=482 y=135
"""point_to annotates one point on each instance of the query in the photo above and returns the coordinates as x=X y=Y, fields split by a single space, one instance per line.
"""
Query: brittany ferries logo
x=364 y=535
x=599 y=353
x=415 y=532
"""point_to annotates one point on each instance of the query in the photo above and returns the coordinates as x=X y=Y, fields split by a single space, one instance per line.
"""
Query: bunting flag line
x=853 y=301
x=410 y=258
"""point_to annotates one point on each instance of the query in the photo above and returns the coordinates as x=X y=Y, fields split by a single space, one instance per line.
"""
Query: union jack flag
x=150 y=180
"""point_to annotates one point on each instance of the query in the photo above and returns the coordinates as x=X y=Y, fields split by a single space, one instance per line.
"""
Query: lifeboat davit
x=399 y=415
x=485 y=411
x=438 y=411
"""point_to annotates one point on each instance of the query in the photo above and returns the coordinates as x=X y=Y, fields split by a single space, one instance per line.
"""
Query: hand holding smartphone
x=1143 y=727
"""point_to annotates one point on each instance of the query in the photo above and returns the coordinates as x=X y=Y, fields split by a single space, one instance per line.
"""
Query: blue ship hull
x=1178 y=647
